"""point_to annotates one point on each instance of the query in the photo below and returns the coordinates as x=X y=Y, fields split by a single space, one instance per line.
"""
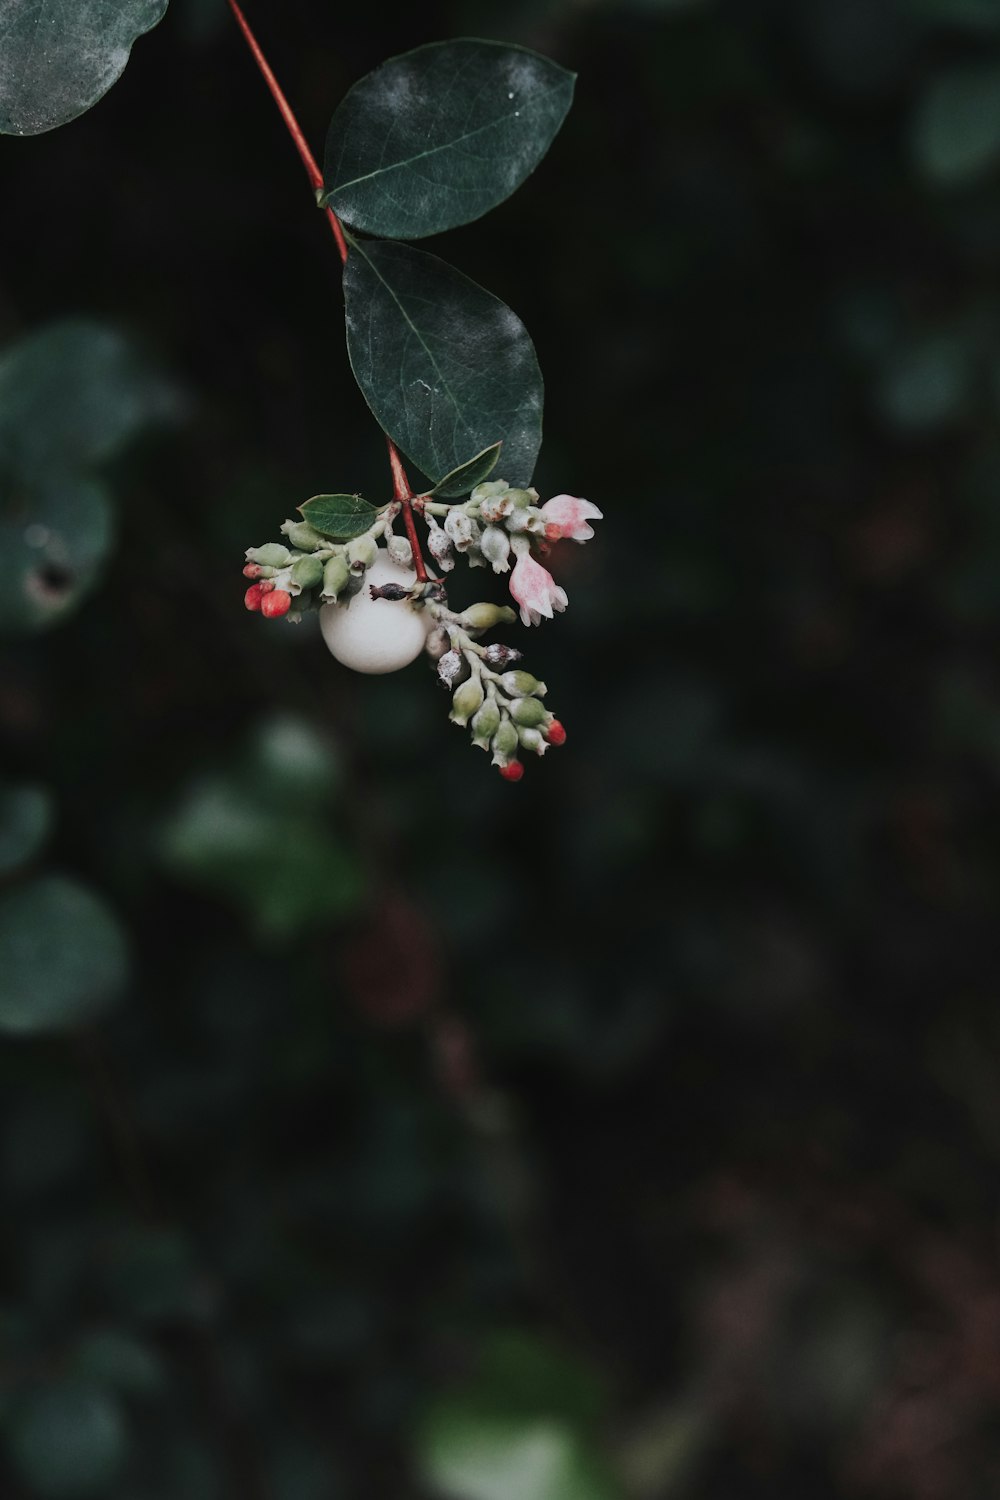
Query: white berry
x=376 y=635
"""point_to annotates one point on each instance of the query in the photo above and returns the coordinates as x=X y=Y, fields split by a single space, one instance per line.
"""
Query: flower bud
x=437 y=644
x=461 y=528
x=439 y=547
x=522 y=685
x=485 y=724
x=485 y=616
x=505 y=742
x=252 y=598
x=532 y=740
x=450 y=667
x=335 y=576
x=272 y=555
x=496 y=548
x=490 y=489
x=529 y=712
x=521 y=499
x=307 y=572
x=518 y=521
x=362 y=552
x=400 y=552
x=467 y=700
x=275 y=604
x=303 y=536
x=555 y=734
x=512 y=771
x=500 y=656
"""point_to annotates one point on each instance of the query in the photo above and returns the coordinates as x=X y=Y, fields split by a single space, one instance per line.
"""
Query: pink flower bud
x=535 y=590
x=252 y=598
x=555 y=734
x=565 y=516
x=253 y=570
x=512 y=771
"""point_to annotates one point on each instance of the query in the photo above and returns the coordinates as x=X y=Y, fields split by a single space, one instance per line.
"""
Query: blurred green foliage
x=371 y=1127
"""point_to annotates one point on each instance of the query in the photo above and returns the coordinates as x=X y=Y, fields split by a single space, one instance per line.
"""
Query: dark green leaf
x=25 y=820
x=445 y=366
x=465 y=478
x=68 y=1440
x=439 y=136
x=60 y=56
x=116 y=1358
x=62 y=956
x=339 y=516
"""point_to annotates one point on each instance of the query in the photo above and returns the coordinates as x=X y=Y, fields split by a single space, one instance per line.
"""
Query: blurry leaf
x=956 y=131
x=63 y=956
x=975 y=14
x=438 y=136
x=660 y=1452
x=261 y=835
x=339 y=516
x=444 y=365
x=54 y=541
x=67 y=1439
x=463 y=480
x=60 y=56
x=464 y=1455
x=111 y=1357
x=152 y=1275
x=927 y=384
x=72 y=396
x=45 y=1142
x=25 y=821
x=521 y=1374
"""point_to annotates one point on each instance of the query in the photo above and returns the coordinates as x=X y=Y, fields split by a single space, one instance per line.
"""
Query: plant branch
x=403 y=493
x=294 y=129
x=401 y=484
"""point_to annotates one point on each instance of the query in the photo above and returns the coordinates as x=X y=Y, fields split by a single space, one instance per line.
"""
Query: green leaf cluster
x=263 y=835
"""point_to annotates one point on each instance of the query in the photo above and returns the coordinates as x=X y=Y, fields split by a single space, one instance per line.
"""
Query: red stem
x=403 y=493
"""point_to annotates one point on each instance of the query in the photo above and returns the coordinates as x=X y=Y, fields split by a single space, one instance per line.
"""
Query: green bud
x=485 y=616
x=522 y=685
x=304 y=536
x=485 y=724
x=521 y=499
x=533 y=739
x=272 y=555
x=362 y=552
x=307 y=572
x=505 y=743
x=467 y=700
x=491 y=489
x=335 y=576
x=528 y=712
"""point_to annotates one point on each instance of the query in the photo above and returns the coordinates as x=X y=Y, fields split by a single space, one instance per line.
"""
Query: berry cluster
x=385 y=626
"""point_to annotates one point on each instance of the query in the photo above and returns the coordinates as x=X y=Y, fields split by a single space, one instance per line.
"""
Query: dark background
x=681 y=1057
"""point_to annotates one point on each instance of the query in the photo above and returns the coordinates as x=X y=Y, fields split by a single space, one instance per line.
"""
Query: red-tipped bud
x=252 y=570
x=555 y=734
x=275 y=604
x=266 y=585
x=512 y=771
x=252 y=597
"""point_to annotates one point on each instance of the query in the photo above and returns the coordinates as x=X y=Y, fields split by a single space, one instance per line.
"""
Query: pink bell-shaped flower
x=533 y=587
x=566 y=517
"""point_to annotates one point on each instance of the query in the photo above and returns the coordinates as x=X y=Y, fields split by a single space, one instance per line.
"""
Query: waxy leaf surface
x=445 y=366
x=58 y=57
x=438 y=136
x=339 y=516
